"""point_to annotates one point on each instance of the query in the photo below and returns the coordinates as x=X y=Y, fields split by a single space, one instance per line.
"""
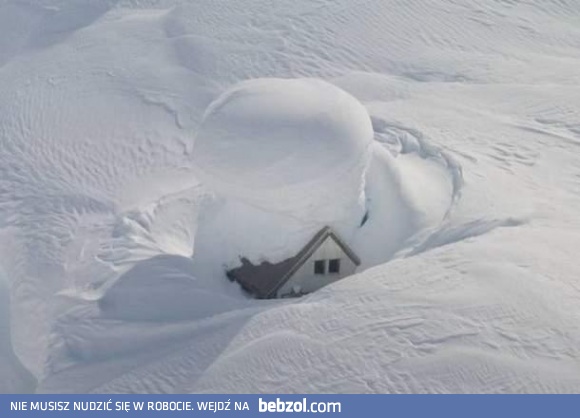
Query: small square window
x=334 y=265
x=320 y=267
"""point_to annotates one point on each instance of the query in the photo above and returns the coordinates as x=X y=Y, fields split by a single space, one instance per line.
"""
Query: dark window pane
x=320 y=267
x=334 y=266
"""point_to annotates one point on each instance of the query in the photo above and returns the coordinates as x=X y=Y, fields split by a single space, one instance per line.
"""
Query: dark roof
x=265 y=279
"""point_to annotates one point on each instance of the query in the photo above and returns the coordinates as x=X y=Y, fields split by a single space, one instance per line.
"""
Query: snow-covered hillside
x=470 y=283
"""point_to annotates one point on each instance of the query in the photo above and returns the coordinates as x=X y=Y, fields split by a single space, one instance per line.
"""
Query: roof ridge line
x=322 y=234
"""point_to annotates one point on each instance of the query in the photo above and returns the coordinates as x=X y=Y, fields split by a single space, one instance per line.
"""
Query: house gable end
x=321 y=237
x=301 y=258
x=266 y=280
x=315 y=271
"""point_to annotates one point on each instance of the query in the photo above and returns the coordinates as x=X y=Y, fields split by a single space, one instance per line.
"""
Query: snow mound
x=163 y=289
x=268 y=141
x=276 y=152
x=287 y=157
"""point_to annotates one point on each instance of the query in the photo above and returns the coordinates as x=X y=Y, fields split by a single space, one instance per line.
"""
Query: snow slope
x=470 y=281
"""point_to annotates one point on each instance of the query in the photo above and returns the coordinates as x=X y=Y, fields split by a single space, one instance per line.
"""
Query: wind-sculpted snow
x=289 y=157
x=469 y=280
x=270 y=134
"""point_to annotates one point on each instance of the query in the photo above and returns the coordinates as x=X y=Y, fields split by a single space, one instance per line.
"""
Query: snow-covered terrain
x=470 y=280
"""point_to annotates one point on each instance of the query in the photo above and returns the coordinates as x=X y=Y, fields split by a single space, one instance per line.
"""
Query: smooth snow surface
x=470 y=280
x=265 y=138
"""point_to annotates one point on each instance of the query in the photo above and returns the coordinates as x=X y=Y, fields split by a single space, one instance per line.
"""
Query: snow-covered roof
x=275 y=152
x=265 y=279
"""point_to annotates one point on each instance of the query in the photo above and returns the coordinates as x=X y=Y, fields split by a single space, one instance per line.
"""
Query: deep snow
x=265 y=138
x=473 y=186
x=286 y=157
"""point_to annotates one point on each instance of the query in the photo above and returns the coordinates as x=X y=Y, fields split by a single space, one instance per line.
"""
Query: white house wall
x=307 y=281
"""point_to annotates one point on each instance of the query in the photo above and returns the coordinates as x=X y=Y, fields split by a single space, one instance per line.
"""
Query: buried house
x=324 y=259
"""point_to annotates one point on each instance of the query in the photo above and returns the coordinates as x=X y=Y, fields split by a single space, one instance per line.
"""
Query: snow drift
x=285 y=144
x=287 y=157
x=472 y=190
